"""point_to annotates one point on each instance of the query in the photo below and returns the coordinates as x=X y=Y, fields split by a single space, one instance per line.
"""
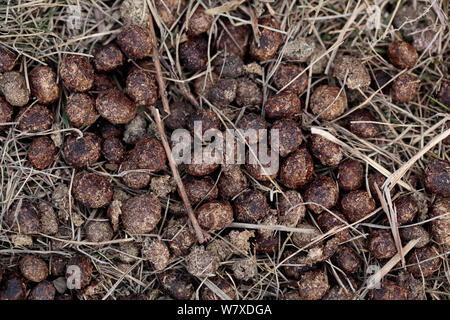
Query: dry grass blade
x=87 y=243
x=268 y=227
x=216 y=290
x=391 y=19
x=395 y=178
x=159 y=77
x=359 y=8
x=393 y=222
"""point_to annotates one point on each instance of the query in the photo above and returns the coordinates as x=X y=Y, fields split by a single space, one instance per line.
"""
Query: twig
x=394 y=178
x=159 y=77
x=202 y=236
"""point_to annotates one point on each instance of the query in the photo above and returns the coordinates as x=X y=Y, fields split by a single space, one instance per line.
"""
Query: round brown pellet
x=149 y=154
x=200 y=189
x=34 y=119
x=24 y=220
x=80 y=110
x=108 y=58
x=141 y=87
x=33 y=268
x=356 y=205
x=352 y=71
x=347 y=259
x=135 y=41
x=322 y=192
x=113 y=150
x=423 y=262
x=287 y=73
x=405 y=88
x=402 y=55
x=215 y=215
x=328 y=102
x=269 y=41
x=283 y=105
x=250 y=206
x=361 y=123
x=141 y=214
x=381 y=244
x=115 y=107
x=297 y=169
x=199 y=22
x=350 y=175
x=290 y=135
x=329 y=153
x=134 y=180
x=437 y=177
x=193 y=54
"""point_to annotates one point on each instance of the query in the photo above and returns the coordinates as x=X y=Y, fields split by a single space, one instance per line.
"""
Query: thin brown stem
x=188 y=95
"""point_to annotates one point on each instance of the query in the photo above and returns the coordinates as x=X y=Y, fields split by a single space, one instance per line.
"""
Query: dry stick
x=374 y=279
x=201 y=235
x=188 y=95
x=395 y=177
